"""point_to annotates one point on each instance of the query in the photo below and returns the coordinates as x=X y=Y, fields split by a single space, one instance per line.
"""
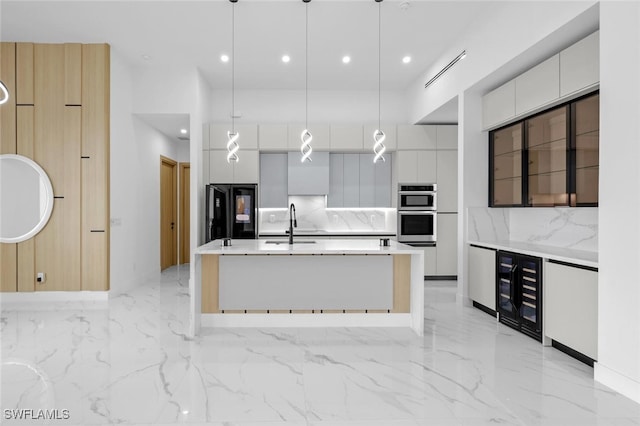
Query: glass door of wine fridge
x=519 y=292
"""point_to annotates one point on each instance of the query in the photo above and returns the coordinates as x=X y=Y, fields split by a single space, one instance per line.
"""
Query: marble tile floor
x=127 y=361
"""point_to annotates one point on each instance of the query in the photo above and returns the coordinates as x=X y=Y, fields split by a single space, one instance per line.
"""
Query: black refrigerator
x=519 y=292
x=231 y=211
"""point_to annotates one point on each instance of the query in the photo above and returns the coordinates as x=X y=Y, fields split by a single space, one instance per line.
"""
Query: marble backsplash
x=575 y=228
x=314 y=216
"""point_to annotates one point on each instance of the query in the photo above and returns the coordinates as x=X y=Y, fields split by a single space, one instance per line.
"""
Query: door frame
x=165 y=160
x=184 y=252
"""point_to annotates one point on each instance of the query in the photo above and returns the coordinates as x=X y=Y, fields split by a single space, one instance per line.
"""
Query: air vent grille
x=445 y=69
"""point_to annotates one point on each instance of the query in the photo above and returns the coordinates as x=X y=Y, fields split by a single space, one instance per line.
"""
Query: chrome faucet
x=293 y=223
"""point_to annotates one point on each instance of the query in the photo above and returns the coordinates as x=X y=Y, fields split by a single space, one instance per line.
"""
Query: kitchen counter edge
x=561 y=254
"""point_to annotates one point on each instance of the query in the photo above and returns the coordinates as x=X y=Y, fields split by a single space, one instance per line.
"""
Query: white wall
x=619 y=248
x=512 y=29
x=135 y=185
x=325 y=106
x=473 y=160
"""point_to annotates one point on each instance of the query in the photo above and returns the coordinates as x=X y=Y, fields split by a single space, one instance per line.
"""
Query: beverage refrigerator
x=231 y=211
x=519 y=292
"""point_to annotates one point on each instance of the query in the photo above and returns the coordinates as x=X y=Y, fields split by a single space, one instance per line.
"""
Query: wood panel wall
x=58 y=115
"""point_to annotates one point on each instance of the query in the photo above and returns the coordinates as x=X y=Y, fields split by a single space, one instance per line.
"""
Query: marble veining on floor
x=128 y=361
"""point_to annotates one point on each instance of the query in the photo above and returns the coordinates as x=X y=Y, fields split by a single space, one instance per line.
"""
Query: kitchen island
x=312 y=283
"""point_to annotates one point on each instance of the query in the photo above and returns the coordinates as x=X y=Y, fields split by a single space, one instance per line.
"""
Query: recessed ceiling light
x=183 y=131
x=346 y=59
x=406 y=59
x=224 y=58
x=146 y=57
x=286 y=59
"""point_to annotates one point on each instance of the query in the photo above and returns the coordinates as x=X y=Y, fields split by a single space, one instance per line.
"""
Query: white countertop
x=321 y=246
x=324 y=234
x=561 y=254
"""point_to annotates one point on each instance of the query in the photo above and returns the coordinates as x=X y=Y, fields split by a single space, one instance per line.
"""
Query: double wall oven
x=417 y=213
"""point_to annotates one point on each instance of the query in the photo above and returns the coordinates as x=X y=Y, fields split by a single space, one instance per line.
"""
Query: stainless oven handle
x=417 y=192
x=417 y=212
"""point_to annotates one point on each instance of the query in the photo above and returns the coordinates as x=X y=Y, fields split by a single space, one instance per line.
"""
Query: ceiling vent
x=445 y=69
x=183 y=138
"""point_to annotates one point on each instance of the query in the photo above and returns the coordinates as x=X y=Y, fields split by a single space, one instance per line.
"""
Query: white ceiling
x=195 y=34
x=169 y=124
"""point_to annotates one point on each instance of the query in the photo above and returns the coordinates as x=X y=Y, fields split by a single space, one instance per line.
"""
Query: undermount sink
x=287 y=242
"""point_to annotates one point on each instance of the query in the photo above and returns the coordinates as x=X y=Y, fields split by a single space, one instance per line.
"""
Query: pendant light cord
x=233 y=67
x=306 y=65
x=379 y=54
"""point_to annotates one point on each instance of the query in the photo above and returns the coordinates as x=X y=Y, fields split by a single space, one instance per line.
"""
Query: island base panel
x=306 y=282
x=401 y=283
x=210 y=267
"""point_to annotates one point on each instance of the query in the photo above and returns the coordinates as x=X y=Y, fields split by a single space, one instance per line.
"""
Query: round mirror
x=26 y=198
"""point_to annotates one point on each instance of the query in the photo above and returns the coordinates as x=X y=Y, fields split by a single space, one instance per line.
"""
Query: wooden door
x=185 y=184
x=168 y=213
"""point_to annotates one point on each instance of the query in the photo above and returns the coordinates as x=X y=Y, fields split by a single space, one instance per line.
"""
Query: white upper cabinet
x=427 y=167
x=351 y=183
x=247 y=169
x=416 y=166
x=406 y=163
x=219 y=170
x=390 y=141
x=580 y=65
x=243 y=171
x=447 y=136
x=416 y=137
x=320 y=132
x=346 y=137
x=538 y=86
x=565 y=74
x=273 y=137
x=447 y=180
x=218 y=135
x=499 y=105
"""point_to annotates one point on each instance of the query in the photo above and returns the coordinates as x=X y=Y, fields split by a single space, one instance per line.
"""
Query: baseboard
x=26 y=300
x=573 y=353
x=616 y=381
x=484 y=309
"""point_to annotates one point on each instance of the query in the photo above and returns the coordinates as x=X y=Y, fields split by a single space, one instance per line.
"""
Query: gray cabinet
x=273 y=180
x=335 y=198
x=355 y=181
x=351 y=182
x=482 y=276
x=308 y=178
x=375 y=182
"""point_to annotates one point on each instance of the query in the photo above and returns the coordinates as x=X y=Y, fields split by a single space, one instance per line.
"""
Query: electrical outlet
x=40 y=278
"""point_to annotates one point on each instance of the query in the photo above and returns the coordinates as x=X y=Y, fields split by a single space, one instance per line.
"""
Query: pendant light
x=5 y=93
x=378 y=134
x=232 y=135
x=305 y=136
